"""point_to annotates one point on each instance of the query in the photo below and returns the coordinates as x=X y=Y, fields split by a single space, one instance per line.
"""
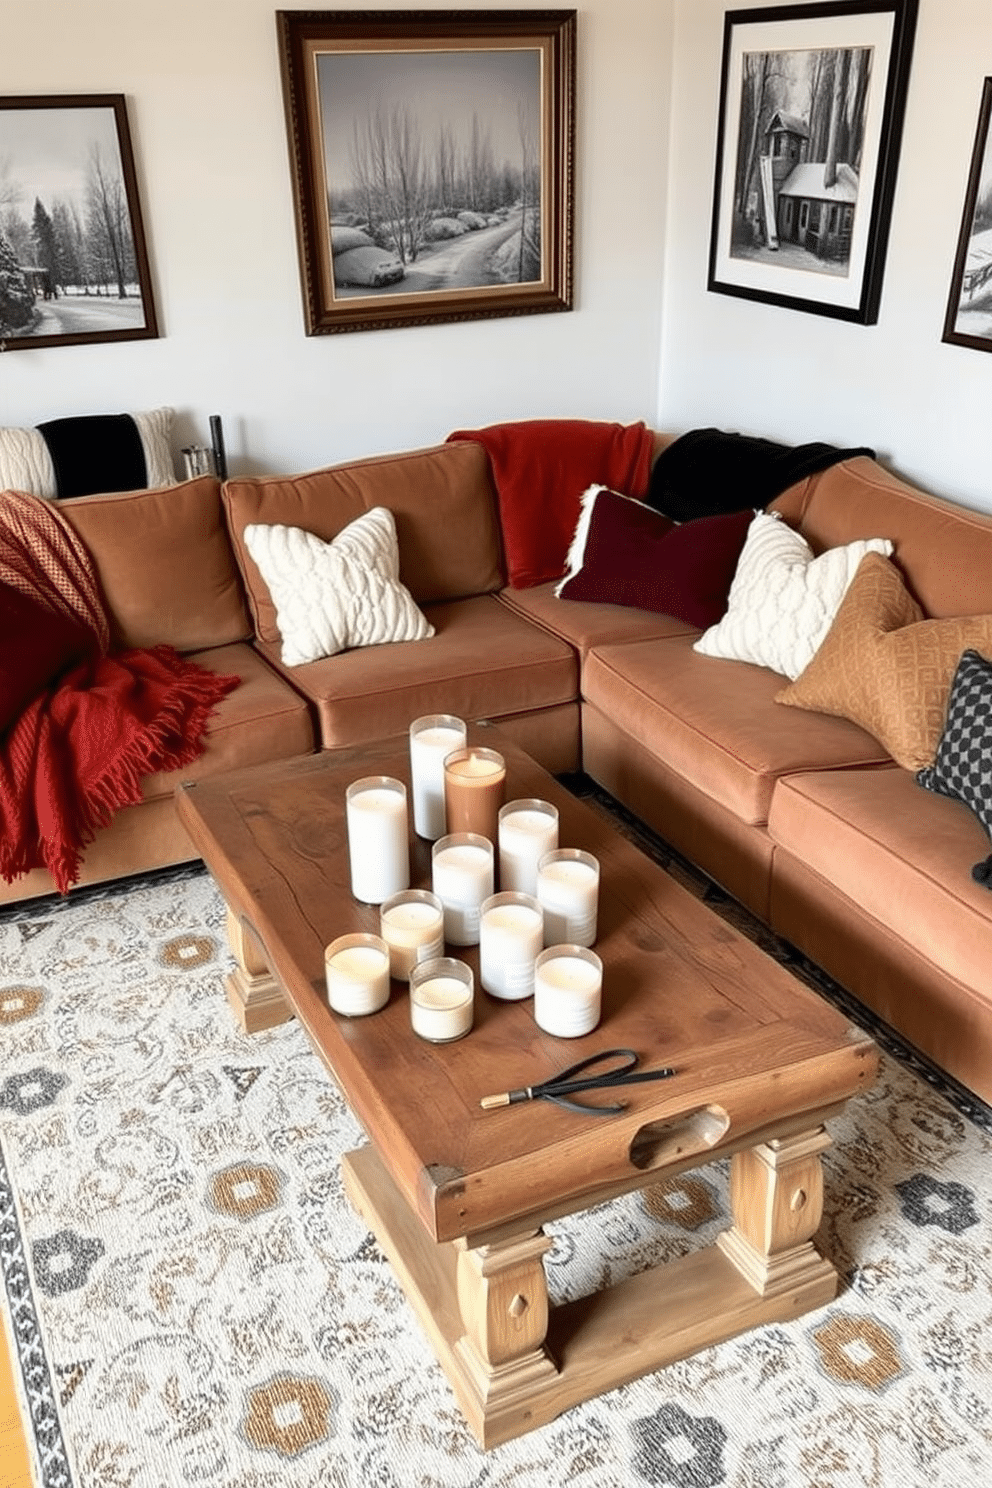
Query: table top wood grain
x=756 y=1053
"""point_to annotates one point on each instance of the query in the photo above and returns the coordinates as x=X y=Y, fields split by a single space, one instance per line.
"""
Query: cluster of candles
x=534 y=936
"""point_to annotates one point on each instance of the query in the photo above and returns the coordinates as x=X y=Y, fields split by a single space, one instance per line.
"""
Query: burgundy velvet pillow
x=36 y=646
x=625 y=553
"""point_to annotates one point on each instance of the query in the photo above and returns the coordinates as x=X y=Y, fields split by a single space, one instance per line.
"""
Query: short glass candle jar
x=378 y=838
x=432 y=739
x=412 y=925
x=568 y=990
x=442 y=1000
x=462 y=874
x=357 y=973
x=568 y=889
x=511 y=934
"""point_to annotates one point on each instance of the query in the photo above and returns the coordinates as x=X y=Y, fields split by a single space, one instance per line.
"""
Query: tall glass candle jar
x=462 y=875
x=432 y=739
x=568 y=889
x=511 y=934
x=527 y=830
x=474 y=790
x=378 y=838
x=357 y=974
x=442 y=1000
x=412 y=925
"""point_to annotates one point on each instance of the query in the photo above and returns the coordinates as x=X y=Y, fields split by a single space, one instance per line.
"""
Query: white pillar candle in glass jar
x=356 y=970
x=462 y=875
x=412 y=925
x=378 y=838
x=527 y=830
x=442 y=1000
x=568 y=990
x=432 y=739
x=511 y=934
x=568 y=889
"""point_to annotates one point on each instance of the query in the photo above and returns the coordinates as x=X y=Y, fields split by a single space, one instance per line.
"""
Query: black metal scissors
x=564 y=1085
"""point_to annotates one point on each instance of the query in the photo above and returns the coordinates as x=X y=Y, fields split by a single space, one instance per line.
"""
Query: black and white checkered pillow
x=962 y=767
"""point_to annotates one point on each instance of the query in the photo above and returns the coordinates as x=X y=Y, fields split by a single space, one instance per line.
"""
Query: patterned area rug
x=192 y=1300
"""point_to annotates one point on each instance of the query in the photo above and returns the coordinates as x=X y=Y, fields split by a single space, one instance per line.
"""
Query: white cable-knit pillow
x=333 y=595
x=783 y=601
x=26 y=465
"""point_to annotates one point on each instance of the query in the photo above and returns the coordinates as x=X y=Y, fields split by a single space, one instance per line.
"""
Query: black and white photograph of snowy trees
x=72 y=256
x=433 y=169
x=432 y=155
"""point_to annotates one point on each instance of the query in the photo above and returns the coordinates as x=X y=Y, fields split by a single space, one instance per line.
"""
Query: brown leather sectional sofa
x=802 y=816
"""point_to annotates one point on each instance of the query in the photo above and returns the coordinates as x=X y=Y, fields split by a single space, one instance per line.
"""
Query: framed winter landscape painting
x=969 y=309
x=431 y=155
x=812 y=99
x=73 y=263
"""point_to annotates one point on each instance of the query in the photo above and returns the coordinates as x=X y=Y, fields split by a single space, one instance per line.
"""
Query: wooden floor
x=14 y=1469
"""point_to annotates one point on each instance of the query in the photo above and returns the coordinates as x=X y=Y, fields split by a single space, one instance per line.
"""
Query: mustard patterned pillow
x=886 y=667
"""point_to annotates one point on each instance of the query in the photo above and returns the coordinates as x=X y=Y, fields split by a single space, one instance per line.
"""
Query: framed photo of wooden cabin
x=73 y=263
x=968 y=321
x=812 y=99
x=431 y=155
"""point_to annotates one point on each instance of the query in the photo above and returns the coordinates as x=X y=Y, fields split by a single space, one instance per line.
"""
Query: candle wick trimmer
x=562 y=1087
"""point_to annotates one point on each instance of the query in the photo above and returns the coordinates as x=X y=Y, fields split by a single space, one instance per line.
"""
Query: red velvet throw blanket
x=542 y=468
x=79 y=728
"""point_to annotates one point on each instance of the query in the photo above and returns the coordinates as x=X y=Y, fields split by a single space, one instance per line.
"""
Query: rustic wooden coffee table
x=457 y=1195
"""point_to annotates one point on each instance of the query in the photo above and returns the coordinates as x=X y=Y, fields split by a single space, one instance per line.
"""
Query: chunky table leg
x=252 y=990
x=776 y=1193
x=514 y=1363
x=503 y=1301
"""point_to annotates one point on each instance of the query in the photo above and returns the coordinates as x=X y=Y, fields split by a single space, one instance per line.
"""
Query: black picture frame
x=72 y=243
x=410 y=131
x=968 y=321
x=794 y=223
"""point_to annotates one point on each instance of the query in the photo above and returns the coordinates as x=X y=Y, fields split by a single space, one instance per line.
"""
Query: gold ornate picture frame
x=432 y=163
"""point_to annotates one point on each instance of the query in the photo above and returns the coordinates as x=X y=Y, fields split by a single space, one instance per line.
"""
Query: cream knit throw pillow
x=333 y=595
x=783 y=601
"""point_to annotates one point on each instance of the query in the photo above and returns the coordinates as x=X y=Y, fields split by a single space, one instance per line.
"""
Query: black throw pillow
x=962 y=767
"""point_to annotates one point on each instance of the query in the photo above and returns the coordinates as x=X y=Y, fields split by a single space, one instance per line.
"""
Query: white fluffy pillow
x=26 y=465
x=333 y=595
x=783 y=601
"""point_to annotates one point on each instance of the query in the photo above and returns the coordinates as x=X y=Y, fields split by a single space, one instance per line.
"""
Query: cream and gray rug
x=192 y=1301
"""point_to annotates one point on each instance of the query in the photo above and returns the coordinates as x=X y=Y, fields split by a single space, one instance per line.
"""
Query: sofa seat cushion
x=716 y=723
x=587 y=624
x=262 y=719
x=442 y=501
x=165 y=565
x=482 y=662
x=901 y=854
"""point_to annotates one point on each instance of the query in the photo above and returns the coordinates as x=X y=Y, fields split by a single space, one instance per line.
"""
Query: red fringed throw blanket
x=541 y=469
x=79 y=728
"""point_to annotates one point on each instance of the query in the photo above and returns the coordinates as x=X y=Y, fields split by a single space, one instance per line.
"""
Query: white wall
x=924 y=406
x=205 y=108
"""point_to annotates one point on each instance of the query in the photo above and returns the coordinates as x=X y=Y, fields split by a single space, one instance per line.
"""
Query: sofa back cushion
x=944 y=550
x=442 y=501
x=165 y=565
